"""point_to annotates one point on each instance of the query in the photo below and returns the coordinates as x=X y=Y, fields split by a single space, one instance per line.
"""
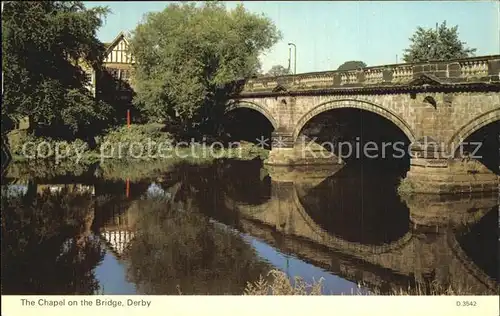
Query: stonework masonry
x=442 y=101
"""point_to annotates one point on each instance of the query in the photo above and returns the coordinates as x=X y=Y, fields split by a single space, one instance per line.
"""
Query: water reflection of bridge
x=424 y=250
x=428 y=251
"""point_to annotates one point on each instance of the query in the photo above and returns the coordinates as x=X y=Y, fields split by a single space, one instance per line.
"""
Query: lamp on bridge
x=294 y=57
x=289 y=58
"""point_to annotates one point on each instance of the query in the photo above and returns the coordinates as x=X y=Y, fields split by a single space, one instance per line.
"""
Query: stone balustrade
x=474 y=69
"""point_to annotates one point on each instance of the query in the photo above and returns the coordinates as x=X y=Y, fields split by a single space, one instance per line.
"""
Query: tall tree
x=441 y=43
x=188 y=54
x=351 y=65
x=44 y=45
x=278 y=70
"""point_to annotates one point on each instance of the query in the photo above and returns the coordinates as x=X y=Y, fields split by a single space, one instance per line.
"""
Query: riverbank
x=278 y=283
x=109 y=169
x=132 y=145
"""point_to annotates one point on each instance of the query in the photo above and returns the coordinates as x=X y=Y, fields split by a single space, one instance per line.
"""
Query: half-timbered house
x=118 y=60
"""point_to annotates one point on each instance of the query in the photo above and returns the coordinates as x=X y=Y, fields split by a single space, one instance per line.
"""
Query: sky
x=328 y=33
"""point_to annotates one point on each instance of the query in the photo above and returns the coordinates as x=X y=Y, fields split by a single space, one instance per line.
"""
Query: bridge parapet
x=484 y=69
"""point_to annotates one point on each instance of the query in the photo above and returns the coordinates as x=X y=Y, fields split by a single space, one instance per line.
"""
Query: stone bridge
x=428 y=251
x=437 y=105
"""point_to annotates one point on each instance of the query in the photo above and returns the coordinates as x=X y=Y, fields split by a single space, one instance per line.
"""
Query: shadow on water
x=211 y=229
x=359 y=204
x=474 y=239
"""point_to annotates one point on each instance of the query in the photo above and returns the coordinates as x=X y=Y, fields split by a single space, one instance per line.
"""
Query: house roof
x=118 y=38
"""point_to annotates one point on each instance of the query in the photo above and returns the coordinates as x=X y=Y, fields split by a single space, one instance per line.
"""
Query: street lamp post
x=294 y=57
x=289 y=58
x=2 y=66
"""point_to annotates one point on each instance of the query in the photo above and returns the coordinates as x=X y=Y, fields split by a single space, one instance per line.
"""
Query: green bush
x=405 y=186
x=42 y=147
x=138 y=135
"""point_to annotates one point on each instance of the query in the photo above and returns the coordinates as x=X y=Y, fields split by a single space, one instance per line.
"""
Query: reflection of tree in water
x=47 y=245
x=244 y=182
x=182 y=248
x=175 y=243
x=206 y=184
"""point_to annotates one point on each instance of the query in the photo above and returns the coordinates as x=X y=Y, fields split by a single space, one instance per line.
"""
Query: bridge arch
x=468 y=266
x=354 y=248
x=318 y=234
x=354 y=104
x=472 y=126
x=253 y=106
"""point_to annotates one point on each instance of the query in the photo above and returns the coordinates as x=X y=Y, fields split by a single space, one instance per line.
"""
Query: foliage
x=18 y=140
x=280 y=284
x=189 y=55
x=441 y=43
x=112 y=169
x=351 y=65
x=135 y=145
x=278 y=70
x=45 y=169
x=136 y=133
x=135 y=140
x=45 y=46
x=47 y=247
x=405 y=186
x=118 y=93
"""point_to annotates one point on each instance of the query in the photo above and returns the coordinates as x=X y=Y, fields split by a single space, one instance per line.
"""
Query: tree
x=44 y=46
x=351 y=65
x=441 y=43
x=278 y=70
x=188 y=55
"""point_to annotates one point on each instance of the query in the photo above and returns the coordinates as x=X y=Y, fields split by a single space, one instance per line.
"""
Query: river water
x=211 y=229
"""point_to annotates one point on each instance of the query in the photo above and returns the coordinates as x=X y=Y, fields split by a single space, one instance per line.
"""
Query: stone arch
x=318 y=234
x=472 y=126
x=354 y=104
x=255 y=107
x=469 y=268
x=352 y=248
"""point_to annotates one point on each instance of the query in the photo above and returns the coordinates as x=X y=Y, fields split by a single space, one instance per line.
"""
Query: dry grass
x=434 y=288
x=278 y=283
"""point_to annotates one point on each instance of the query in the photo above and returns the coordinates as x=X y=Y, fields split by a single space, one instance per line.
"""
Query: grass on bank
x=137 y=143
x=278 y=283
x=405 y=186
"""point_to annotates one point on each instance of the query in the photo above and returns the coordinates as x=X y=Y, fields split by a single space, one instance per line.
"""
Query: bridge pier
x=287 y=152
x=449 y=176
x=434 y=171
x=444 y=211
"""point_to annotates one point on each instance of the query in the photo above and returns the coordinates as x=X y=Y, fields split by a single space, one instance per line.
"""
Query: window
x=88 y=77
x=125 y=75
x=113 y=72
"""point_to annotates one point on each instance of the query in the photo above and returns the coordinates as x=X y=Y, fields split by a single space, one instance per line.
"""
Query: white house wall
x=119 y=54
